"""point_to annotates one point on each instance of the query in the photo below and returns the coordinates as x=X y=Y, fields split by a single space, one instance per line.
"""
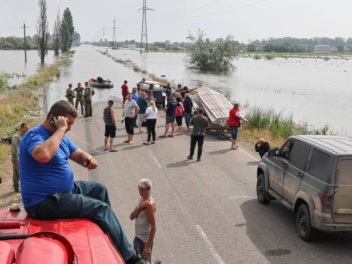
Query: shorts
x=234 y=132
x=129 y=125
x=170 y=119
x=179 y=120
x=139 y=246
x=140 y=119
x=110 y=131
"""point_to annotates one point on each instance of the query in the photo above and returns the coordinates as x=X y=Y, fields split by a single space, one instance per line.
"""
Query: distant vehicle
x=311 y=176
x=24 y=240
x=100 y=83
x=157 y=89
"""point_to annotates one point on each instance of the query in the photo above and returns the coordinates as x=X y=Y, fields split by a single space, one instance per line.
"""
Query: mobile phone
x=52 y=121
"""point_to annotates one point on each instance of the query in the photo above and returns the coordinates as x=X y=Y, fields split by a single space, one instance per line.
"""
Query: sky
x=245 y=20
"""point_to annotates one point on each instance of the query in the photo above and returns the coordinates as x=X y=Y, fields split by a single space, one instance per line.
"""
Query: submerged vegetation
x=4 y=80
x=214 y=56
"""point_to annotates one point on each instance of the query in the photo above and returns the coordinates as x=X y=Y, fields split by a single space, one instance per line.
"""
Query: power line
x=144 y=32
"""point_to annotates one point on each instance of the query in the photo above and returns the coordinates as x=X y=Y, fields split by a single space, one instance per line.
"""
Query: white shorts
x=140 y=119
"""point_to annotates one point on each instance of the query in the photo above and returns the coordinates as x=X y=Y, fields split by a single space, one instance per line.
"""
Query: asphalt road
x=207 y=212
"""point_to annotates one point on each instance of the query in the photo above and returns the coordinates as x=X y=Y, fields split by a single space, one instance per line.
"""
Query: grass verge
x=22 y=103
x=274 y=127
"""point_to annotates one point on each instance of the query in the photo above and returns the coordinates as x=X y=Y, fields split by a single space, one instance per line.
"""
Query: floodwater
x=311 y=90
x=13 y=62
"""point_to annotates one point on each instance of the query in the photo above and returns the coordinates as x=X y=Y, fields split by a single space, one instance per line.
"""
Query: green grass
x=276 y=127
x=18 y=103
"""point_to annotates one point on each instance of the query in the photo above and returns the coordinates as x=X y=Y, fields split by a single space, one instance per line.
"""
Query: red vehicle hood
x=24 y=240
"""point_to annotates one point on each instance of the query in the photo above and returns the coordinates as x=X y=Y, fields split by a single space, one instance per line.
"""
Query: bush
x=4 y=80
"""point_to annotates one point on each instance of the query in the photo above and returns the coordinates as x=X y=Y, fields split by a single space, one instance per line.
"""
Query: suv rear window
x=319 y=165
x=345 y=172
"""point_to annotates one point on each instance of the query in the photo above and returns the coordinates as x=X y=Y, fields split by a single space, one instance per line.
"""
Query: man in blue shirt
x=48 y=188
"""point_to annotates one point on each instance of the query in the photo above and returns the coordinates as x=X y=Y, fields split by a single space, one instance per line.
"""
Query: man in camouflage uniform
x=79 y=90
x=16 y=138
x=70 y=94
x=88 y=93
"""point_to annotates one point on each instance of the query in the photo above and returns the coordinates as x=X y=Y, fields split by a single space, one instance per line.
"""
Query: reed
x=275 y=127
x=4 y=80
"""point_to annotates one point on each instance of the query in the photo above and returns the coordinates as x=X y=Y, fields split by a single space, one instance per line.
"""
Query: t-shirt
x=179 y=110
x=168 y=90
x=199 y=123
x=107 y=117
x=142 y=104
x=129 y=108
x=135 y=96
x=188 y=104
x=124 y=88
x=171 y=106
x=151 y=113
x=40 y=180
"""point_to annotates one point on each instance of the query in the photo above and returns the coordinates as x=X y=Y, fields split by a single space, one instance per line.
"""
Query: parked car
x=311 y=176
x=157 y=89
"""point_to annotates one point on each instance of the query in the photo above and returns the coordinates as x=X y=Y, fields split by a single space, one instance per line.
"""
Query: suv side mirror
x=273 y=152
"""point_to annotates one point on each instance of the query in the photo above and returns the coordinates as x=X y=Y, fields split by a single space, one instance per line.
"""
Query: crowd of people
x=48 y=189
x=81 y=96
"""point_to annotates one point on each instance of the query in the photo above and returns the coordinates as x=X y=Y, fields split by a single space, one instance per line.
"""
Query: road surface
x=207 y=212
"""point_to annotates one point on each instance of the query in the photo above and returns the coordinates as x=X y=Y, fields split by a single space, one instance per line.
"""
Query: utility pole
x=113 y=34
x=144 y=33
x=25 y=42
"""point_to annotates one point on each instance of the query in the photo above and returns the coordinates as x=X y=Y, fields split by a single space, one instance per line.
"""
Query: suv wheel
x=303 y=223
x=261 y=192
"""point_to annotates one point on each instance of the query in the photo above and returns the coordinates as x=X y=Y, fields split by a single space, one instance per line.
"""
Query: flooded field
x=311 y=90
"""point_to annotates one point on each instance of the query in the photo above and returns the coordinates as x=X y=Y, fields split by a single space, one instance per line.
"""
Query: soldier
x=16 y=138
x=88 y=93
x=70 y=94
x=79 y=90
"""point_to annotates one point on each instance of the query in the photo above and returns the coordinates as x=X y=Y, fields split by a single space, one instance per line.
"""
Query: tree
x=67 y=30
x=42 y=30
x=57 y=34
x=206 y=55
x=76 y=38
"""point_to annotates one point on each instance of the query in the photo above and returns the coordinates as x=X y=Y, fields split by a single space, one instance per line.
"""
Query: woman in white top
x=150 y=115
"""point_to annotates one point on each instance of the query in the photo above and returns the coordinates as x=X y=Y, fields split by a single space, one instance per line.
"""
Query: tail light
x=327 y=200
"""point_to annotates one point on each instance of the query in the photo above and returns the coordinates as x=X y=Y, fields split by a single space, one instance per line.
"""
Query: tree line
x=298 y=45
x=14 y=43
x=62 y=38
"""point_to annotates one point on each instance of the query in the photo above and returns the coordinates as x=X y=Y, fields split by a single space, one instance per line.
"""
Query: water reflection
x=12 y=62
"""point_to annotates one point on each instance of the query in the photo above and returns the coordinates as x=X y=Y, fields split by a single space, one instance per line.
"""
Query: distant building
x=132 y=46
x=324 y=49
